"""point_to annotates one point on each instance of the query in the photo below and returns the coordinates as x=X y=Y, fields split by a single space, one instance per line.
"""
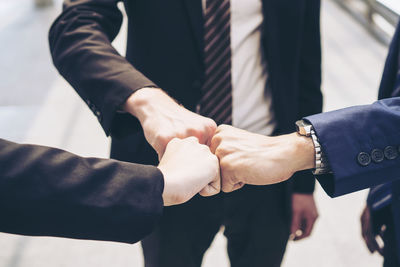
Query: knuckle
x=211 y=124
x=179 y=199
x=225 y=165
x=192 y=132
x=219 y=152
x=164 y=139
x=174 y=140
x=204 y=149
x=215 y=162
x=214 y=158
x=223 y=127
x=217 y=139
x=192 y=139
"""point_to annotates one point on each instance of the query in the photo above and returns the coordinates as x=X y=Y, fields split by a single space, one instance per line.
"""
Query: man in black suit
x=255 y=64
x=50 y=192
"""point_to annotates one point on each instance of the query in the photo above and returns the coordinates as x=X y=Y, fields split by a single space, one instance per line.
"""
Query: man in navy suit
x=348 y=150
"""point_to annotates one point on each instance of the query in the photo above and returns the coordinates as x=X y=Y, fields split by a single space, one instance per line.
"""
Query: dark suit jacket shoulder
x=50 y=192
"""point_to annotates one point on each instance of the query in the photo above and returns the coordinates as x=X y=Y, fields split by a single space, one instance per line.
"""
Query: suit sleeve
x=50 y=192
x=346 y=133
x=80 y=43
x=310 y=96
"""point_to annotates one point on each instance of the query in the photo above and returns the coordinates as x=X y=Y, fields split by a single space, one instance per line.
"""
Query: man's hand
x=163 y=119
x=248 y=158
x=304 y=215
x=188 y=168
x=368 y=233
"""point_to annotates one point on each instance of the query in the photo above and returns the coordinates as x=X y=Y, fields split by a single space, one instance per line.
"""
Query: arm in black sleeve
x=50 y=192
x=310 y=96
x=80 y=43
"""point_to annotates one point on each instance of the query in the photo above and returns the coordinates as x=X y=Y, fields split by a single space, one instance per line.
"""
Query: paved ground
x=37 y=106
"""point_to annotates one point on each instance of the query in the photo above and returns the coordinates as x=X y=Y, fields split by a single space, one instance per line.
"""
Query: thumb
x=295 y=227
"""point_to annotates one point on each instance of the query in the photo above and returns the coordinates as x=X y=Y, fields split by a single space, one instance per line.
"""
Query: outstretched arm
x=362 y=145
x=50 y=192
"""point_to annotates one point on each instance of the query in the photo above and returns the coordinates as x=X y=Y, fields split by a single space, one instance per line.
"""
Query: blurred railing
x=43 y=3
x=379 y=17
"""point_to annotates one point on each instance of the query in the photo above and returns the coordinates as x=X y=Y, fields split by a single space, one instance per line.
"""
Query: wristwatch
x=321 y=162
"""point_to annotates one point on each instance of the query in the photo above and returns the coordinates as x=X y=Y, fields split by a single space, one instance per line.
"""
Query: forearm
x=64 y=195
x=144 y=102
x=80 y=44
x=351 y=137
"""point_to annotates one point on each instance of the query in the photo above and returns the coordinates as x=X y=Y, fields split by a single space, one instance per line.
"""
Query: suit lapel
x=195 y=18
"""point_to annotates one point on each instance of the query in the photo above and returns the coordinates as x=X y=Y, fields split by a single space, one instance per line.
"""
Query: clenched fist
x=248 y=158
x=163 y=119
x=188 y=168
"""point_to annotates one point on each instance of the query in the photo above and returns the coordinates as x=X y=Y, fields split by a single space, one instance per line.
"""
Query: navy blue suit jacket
x=345 y=133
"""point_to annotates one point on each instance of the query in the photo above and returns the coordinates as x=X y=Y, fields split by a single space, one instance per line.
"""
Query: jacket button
x=377 y=155
x=391 y=152
x=364 y=159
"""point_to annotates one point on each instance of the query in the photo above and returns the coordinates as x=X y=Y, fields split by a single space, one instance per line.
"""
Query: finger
x=232 y=187
x=371 y=243
x=301 y=231
x=210 y=130
x=161 y=147
x=298 y=235
x=199 y=135
x=295 y=227
x=215 y=142
x=380 y=244
x=209 y=137
x=212 y=188
x=160 y=151
x=308 y=225
x=238 y=186
x=209 y=190
x=191 y=139
x=228 y=185
x=222 y=127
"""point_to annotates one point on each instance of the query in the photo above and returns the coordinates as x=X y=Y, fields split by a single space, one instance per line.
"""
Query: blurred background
x=38 y=106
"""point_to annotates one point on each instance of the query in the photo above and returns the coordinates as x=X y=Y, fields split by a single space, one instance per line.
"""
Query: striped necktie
x=216 y=100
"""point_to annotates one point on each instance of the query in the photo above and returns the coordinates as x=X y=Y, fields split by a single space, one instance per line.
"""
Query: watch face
x=303 y=128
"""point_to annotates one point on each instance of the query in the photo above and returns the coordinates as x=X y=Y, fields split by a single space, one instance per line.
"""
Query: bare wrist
x=303 y=154
x=139 y=102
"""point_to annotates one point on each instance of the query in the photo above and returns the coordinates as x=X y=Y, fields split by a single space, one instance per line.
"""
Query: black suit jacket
x=50 y=192
x=165 y=49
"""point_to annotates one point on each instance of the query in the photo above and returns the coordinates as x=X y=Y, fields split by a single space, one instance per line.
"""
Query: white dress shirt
x=252 y=103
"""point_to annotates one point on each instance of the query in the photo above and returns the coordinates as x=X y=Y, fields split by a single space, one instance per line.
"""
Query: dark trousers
x=256 y=226
x=391 y=259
